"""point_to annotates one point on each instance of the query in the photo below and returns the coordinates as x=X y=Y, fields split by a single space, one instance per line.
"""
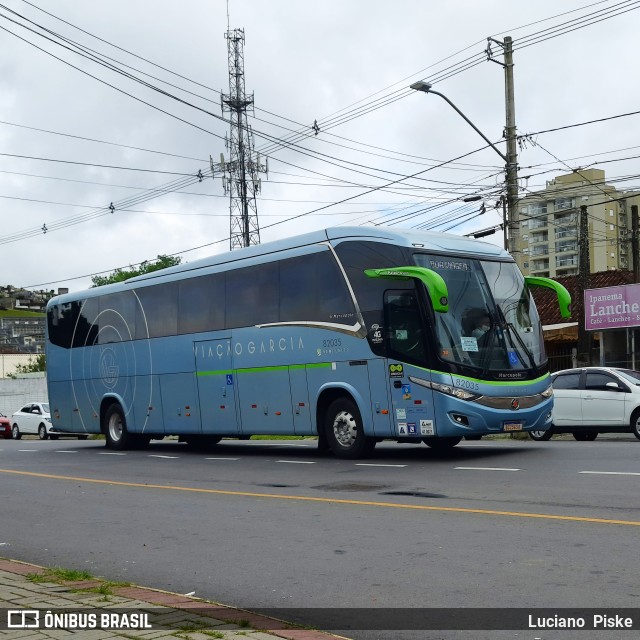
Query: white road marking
x=486 y=469
x=64 y=451
x=165 y=457
x=110 y=453
x=612 y=473
x=370 y=464
x=222 y=459
x=27 y=449
x=296 y=461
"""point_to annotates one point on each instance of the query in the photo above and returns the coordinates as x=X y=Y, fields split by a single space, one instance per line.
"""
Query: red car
x=5 y=427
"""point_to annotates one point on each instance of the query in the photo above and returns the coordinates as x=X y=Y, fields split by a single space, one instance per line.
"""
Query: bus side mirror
x=433 y=281
x=564 y=297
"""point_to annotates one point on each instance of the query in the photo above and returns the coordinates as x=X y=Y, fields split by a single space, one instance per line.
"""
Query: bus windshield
x=492 y=323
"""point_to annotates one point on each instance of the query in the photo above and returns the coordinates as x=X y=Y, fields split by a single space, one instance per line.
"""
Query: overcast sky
x=343 y=63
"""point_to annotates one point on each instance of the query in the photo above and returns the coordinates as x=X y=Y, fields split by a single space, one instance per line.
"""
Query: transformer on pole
x=241 y=174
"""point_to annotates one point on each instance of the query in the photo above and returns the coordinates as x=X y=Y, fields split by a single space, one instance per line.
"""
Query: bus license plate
x=513 y=426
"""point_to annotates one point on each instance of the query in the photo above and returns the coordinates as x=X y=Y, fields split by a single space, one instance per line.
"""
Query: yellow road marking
x=368 y=503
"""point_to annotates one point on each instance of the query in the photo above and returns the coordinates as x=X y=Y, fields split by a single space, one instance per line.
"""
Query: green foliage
x=18 y=313
x=35 y=364
x=120 y=275
x=57 y=574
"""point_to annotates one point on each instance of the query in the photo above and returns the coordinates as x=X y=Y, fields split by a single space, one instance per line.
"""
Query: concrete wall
x=9 y=362
x=15 y=393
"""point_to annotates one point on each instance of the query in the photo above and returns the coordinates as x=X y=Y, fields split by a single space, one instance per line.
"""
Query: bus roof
x=424 y=240
x=429 y=240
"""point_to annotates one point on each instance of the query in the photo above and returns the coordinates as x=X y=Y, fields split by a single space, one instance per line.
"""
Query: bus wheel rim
x=345 y=429
x=115 y=427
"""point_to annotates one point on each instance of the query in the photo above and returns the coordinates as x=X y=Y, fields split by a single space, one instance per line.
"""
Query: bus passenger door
x=217 y=385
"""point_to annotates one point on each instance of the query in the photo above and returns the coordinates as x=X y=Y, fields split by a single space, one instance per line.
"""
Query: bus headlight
x=456 y=392
x=548 y=392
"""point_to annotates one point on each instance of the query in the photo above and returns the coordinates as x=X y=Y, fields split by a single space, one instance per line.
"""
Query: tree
x=120 y=275
x=39 y=363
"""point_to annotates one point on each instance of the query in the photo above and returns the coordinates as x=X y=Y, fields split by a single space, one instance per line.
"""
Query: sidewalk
x=50 y=607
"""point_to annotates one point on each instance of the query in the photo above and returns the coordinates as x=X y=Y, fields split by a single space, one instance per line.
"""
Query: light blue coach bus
x=355 y=335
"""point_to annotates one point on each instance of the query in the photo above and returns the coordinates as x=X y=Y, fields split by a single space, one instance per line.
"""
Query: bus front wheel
x=344 y=431
x=115 y=428
x=540 y=435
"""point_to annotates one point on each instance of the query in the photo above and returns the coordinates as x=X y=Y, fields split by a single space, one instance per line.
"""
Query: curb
x=233 y=615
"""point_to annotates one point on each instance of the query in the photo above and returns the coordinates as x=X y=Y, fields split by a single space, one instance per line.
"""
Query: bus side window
x=405 y=334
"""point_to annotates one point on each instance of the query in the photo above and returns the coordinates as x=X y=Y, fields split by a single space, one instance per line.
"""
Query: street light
x=425 y=87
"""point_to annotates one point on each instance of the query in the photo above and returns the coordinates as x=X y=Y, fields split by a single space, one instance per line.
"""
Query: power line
x=113 y=144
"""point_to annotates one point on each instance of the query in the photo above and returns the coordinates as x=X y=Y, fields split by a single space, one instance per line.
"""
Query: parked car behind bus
x=593 y=400
x=5 y=427
x=35 y=419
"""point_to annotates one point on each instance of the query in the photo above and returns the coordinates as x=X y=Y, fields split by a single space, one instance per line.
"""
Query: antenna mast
x=241 y=179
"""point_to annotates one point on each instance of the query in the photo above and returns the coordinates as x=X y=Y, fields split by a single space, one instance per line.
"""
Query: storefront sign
x=612 y=307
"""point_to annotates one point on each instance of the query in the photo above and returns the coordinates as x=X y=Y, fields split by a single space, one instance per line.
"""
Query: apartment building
x=547 y=244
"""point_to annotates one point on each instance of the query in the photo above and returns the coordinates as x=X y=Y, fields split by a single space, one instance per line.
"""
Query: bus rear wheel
x=115 y=429
x=344 y=432
x=441 y=444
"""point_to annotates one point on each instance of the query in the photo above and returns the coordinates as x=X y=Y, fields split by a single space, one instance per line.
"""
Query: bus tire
x=540 y=435
x=344 y=431
x=441 y=444
x=115 y=428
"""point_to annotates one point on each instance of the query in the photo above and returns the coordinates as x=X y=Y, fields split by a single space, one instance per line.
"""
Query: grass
x=106 y=588
x=60 y=576
x=16 y=313
x=193 y=627
x=57 y=574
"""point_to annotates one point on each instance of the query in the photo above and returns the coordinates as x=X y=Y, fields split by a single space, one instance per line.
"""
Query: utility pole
x=512 y=151
x=242 y=182
x=584 y=337
x=635 y=257
x=512 y=222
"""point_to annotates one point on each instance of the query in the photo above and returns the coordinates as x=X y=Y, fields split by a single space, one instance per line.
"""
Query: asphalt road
x=491 y=524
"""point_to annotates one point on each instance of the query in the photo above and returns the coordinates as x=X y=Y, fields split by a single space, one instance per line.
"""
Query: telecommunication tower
x=241 y=174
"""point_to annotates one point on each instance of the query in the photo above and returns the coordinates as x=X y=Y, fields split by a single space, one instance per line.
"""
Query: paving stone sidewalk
x=171 y=616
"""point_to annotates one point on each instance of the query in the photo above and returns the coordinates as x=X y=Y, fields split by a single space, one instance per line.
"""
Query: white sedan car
x=35 y=419
x=593 y=400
